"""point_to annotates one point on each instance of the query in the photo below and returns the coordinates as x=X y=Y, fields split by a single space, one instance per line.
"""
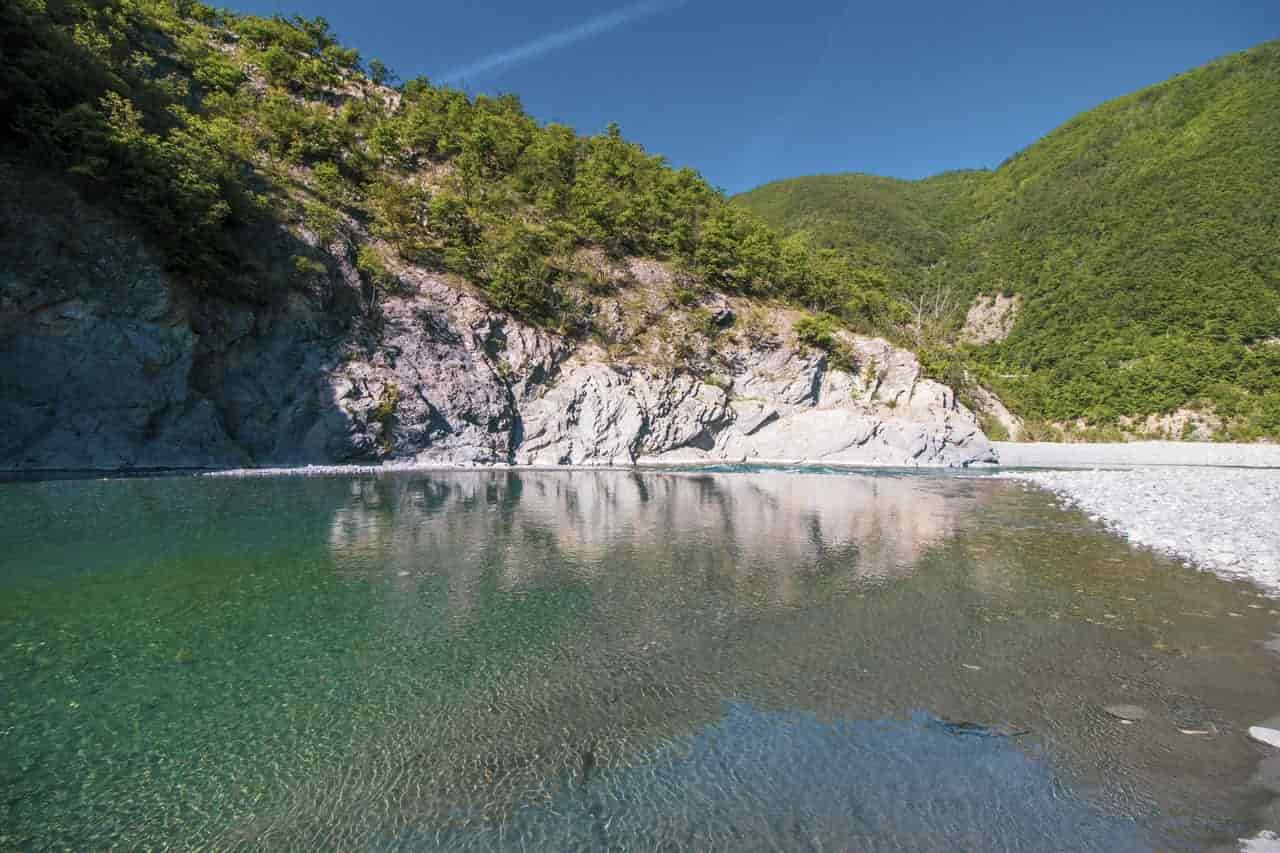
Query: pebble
x=1264 y=842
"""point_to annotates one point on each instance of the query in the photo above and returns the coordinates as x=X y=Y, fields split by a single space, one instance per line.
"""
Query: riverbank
x=1221 y=519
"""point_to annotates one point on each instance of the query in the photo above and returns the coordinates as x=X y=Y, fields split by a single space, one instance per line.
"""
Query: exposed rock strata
x=779 y=405
x=104 y=366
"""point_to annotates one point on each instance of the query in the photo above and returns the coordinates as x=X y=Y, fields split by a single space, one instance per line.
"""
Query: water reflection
x=770 y=529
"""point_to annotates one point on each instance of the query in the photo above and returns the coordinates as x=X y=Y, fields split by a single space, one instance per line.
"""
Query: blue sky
x=748 y=92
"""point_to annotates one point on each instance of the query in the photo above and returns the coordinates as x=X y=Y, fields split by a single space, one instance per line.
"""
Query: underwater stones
x=1126 y=713
x=967 y=728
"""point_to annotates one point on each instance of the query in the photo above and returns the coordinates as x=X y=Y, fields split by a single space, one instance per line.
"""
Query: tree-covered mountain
x=201 y=125
x=1140 y=239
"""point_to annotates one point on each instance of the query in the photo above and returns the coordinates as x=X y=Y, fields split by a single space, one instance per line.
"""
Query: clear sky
x=747 y=92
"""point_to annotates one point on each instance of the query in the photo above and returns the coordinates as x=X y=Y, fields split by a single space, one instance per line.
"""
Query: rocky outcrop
x=778 y=405
x=95 y=353
x=103 y=365
x=990 y=318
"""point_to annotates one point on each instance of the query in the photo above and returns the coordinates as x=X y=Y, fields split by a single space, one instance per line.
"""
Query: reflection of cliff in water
x=664 y=593
x=764 y=531
x=633 y=605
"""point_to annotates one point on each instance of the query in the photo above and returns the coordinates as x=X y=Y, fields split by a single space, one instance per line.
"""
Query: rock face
x=990 y=318
x=103 y=365
x=95 y=354
x=988 y=404
x=780 y=405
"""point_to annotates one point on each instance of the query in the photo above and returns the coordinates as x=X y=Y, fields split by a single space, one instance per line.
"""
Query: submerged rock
x=965 y=728
x=1128 y=713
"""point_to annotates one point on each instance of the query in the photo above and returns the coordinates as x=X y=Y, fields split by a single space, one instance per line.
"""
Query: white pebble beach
x=1179 y=498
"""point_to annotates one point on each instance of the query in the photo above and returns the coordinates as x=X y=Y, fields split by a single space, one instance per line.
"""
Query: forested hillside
x=1141 y=238
x=201 y=125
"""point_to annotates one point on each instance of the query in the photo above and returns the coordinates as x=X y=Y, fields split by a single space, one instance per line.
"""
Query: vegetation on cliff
x=1141 y=235
x=202 y=123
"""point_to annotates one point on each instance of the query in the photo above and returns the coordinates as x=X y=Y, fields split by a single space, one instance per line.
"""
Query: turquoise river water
x=600 y=660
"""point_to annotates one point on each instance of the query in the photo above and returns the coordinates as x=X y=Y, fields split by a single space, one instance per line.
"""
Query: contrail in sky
x=579 y=32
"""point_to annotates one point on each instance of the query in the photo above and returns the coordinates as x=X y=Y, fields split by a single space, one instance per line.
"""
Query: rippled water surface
x=612 y=660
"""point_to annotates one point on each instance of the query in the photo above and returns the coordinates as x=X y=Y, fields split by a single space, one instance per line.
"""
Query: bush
x=308 y=269
x=822 y=332
x=323 y=220
x=816 y=331
x=374 y=271
x=945 y=364
x=518 y=273
x=993 y=429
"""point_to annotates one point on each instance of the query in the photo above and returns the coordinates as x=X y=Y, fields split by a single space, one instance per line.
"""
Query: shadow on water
x=592 y=659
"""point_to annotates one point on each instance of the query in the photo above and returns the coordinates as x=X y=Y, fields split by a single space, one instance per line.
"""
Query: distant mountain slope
x=893 y=226
x=1143 y=237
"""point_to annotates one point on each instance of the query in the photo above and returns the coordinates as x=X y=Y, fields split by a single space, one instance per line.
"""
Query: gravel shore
x=1226 y=520
x=1045 y=454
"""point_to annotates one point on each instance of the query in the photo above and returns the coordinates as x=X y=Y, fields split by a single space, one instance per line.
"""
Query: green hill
x=897 y=228
x=1141 y=236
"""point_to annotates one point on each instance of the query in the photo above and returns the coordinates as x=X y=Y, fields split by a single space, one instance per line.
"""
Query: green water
x=611 y=660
